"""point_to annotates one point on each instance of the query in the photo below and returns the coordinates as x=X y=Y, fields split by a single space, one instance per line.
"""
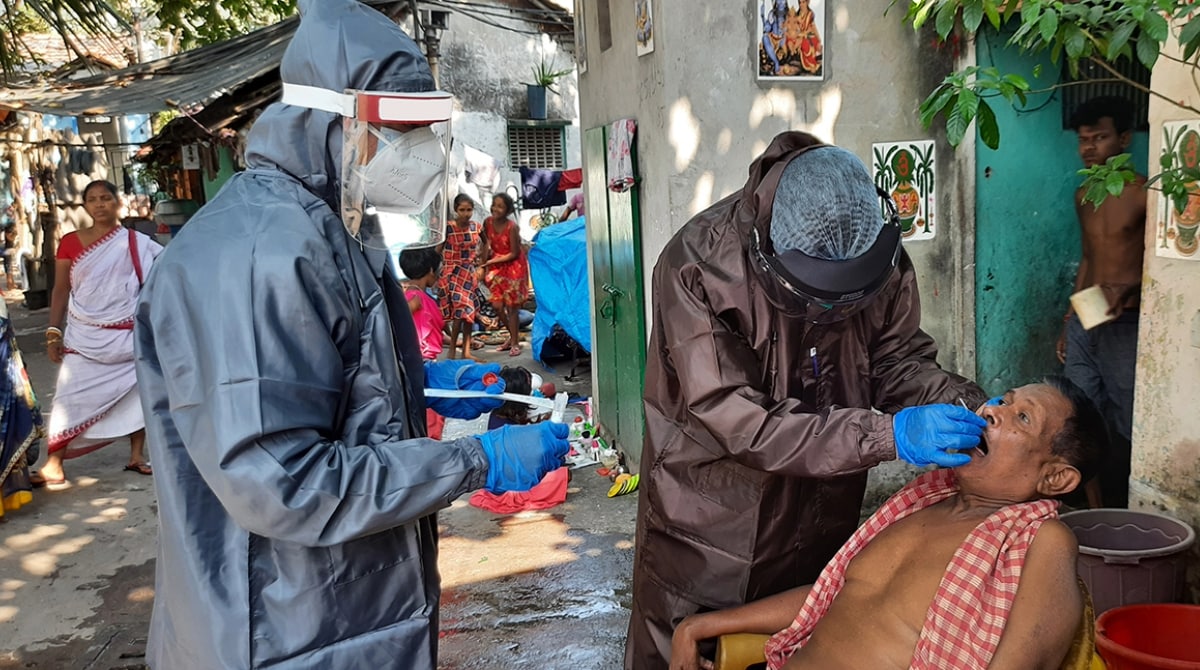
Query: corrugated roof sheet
x=186 y=80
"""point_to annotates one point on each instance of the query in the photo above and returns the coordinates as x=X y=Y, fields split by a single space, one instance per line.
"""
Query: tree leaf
x=967 y=104
x=1114 y=183
x=1119 y=38
x=1147 y=50
x=1189 y=37
x=989 y=130
x=919 y=16
x=1076 y=41
x=961 y=115
x=993 y=14
x=1048 y=25
x=945 y=19
x=1156 y=26
x=935 y=103
x=972 y=14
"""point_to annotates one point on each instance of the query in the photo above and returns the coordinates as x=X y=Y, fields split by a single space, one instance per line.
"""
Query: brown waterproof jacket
x=759 y=427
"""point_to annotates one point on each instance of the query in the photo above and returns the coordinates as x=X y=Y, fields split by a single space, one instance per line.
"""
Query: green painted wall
x=225 y=171
x=1027 y=235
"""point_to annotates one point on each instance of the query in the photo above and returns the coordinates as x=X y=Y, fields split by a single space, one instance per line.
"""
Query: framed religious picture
x=790 y=40
x=644 y=33
x=905 y=171
x=580 y=42
x=1176 y=233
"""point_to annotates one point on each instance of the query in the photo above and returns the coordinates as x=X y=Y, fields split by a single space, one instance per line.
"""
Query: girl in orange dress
x=505 y=272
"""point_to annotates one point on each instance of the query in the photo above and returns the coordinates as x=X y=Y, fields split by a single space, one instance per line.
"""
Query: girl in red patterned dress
x=506 y=273
x=457 y=283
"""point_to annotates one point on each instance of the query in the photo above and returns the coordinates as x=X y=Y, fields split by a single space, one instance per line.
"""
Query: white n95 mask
x=407 y=172
x=394 y=162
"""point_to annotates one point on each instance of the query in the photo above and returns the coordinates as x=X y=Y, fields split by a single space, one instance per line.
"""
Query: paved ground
x=540 y=589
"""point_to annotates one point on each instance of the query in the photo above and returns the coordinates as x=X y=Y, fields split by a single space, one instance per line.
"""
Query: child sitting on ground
x=421 y=268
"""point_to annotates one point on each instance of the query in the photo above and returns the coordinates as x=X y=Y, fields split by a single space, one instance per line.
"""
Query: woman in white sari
x=98 y=275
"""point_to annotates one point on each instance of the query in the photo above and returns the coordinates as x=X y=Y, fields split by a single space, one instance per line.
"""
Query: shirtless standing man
x=1101 y=361
x=1041 y=440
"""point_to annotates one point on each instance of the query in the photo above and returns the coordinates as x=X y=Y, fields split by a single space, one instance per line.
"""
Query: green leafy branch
x=1097 y=31
x=962 y=98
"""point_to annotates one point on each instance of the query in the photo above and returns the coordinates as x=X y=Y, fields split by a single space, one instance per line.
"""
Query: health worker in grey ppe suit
x=282 y=383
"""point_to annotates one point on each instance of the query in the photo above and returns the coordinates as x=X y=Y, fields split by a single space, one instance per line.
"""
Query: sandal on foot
x=514 y=350
x=140 y=468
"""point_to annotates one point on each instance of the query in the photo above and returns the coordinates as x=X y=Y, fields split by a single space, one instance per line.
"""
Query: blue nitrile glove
x=462 y=376
x=994 y=401
x=928 y=433
x=519 y=456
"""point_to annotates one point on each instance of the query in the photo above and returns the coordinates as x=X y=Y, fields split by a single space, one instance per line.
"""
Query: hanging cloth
x=572 y=178
x=481 y=168
x=539 y=188
x=620 y=155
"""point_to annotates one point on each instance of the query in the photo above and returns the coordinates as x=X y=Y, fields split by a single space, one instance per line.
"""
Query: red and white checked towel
x=963 y=625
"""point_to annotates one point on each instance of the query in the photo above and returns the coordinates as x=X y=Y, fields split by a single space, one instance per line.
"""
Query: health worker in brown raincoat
x=785 y=316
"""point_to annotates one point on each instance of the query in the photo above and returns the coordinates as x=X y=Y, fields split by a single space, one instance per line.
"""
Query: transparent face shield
x=395 y=163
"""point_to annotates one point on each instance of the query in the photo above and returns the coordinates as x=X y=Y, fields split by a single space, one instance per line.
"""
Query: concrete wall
x=703 y=117
x=486 y=68
x=1166 y=423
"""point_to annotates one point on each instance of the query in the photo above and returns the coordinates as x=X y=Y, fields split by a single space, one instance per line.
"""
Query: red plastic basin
x=1150 y=637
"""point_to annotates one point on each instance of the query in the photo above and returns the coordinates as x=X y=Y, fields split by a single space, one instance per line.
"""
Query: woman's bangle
x=53 y=330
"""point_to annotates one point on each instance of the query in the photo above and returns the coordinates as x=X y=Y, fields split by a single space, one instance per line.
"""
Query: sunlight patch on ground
x=529 y=541
x=45 y=563
x=24 y=541
x=140 y=595
x=106 y=515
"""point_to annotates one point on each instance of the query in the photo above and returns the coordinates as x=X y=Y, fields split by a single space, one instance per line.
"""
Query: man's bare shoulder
x=1056 y=539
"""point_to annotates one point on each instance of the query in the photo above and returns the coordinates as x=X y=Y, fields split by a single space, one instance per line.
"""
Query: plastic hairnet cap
x=825 y=206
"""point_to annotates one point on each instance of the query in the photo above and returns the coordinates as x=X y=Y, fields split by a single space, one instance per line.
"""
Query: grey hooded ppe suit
x=281 y=380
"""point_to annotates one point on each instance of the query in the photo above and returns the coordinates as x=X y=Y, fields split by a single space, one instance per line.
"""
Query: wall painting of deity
x=905 y=171
x=1176 y=234
x=644 y=32
x=790 y=40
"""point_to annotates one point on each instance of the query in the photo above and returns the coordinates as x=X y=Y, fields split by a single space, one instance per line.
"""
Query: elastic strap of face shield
x=323 y=99
x=373 y=107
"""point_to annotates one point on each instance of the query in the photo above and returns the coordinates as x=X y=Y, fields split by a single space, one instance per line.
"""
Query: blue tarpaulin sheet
x=559 y=268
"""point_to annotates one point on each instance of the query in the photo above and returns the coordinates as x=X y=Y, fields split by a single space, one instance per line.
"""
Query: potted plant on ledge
x=544 y=77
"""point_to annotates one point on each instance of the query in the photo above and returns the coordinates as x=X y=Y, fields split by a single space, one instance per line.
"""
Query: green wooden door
x=603 y=335
x=619 y=341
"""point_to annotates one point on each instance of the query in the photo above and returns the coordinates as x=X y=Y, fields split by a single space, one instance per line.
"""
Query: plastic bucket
x=1129 y=557
x=1150 y=637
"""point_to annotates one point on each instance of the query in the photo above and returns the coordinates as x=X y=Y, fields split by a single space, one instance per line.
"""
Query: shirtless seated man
x=1041 y=441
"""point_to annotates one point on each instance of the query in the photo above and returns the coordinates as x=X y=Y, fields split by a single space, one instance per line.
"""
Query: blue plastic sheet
x=558 y=266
